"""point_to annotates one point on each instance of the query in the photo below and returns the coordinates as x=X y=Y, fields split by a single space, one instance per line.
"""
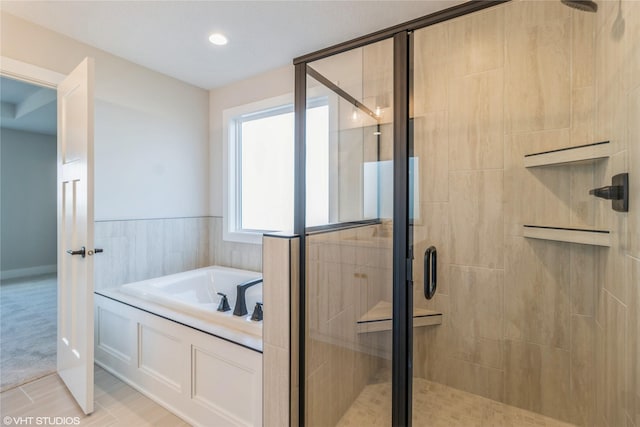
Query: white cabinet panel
x=110 y=328
x=201 y=378
x=159 y=356
x=224 y=385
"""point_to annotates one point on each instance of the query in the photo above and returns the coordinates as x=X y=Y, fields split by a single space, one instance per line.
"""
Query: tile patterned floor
x=437 y=405
x=116 y=404
x=119 y=405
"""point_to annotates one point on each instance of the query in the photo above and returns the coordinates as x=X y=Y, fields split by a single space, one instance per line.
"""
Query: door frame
x=39 y=76
x=43 y=77
x=29 y=73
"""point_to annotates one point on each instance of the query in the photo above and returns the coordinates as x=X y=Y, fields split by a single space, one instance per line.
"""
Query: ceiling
x=27 y=107
x=171 y=36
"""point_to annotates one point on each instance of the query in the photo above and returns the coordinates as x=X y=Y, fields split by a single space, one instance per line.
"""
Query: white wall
x=28 y=202
x=267 y=85
x=151 y=140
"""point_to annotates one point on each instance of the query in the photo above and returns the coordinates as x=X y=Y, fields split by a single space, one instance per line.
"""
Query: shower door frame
x=402 y=325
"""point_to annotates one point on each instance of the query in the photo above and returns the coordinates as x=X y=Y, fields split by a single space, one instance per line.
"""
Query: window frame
x=237 y=159
x=232 y=198
x=232 y=164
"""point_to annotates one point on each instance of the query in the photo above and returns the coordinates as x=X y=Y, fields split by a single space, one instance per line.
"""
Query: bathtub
x=165 y=338
x=195 y=293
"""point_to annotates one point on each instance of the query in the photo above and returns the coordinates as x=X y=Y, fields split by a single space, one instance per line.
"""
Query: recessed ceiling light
x=218 y=39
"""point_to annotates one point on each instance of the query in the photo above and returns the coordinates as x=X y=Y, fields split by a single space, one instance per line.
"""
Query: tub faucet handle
x=257 y=312
x=224 y=303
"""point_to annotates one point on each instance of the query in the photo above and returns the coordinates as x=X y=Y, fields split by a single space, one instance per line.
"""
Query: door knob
x=82 y=252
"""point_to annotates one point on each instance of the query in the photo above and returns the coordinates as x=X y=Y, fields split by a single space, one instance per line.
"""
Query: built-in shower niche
x=579 y=165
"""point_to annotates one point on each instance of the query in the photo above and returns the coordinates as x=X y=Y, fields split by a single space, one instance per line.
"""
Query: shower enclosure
x=460 y=265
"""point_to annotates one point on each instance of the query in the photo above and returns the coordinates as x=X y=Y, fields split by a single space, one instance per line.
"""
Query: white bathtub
x=195 y=293
x=165 y=338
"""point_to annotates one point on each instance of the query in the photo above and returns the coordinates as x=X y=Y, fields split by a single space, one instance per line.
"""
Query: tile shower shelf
x=379 y=318
x=583 y=236
x=582 y=153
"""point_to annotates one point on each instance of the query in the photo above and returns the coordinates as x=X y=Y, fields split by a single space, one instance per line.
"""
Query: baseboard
x=30 y=271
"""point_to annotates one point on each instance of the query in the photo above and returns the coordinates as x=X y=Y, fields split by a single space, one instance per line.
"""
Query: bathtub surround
x=220 y=354
x=246 y=256
x=28 y=234
x=143 y=249
x=219 y=383
x=193 y=296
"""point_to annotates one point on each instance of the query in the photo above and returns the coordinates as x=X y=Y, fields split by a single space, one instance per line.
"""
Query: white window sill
x=242 y=237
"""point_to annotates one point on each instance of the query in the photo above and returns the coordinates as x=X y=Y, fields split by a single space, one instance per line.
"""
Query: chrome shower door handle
x=430 y=272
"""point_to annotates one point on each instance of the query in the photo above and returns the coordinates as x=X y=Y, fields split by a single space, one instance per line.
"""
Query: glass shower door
x=524 y=299
x=505 y=102
x=349 y=251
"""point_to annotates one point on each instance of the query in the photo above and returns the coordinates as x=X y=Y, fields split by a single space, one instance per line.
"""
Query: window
x=260 y=168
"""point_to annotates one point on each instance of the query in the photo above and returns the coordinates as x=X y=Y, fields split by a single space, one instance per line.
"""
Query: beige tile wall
x=246 y=256
x=524 y=318
x=617 y=340
x=143 y=249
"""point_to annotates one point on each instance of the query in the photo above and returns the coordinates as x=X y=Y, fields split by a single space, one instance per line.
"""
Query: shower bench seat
x=379 y=318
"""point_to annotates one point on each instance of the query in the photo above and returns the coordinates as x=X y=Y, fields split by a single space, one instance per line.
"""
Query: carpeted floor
x=28 y=322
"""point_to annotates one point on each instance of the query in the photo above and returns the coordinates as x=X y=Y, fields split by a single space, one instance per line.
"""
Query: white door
x=75 y=233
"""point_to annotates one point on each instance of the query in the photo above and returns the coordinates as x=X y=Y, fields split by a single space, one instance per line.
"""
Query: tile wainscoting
x=143 y=249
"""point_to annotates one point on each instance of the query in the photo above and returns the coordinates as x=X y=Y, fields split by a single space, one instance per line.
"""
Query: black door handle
x=82 y=252
x=430 y=272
